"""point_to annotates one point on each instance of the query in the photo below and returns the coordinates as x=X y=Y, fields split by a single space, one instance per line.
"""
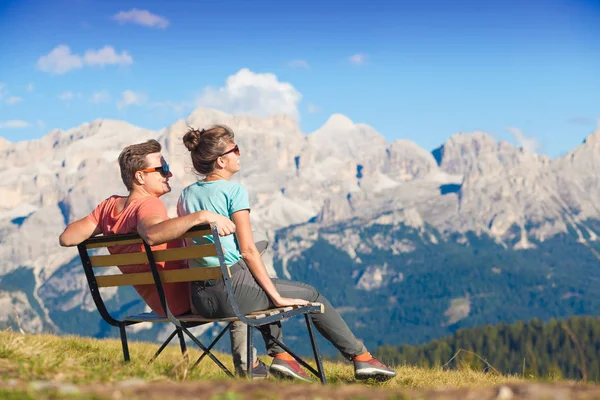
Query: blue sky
x=419 y=70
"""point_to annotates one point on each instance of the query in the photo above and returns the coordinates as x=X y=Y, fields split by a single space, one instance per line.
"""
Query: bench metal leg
x=124 y=342
x=313 y=341
x=162 y=347
x=207 y=350
x=249 y=352
x=182 y=345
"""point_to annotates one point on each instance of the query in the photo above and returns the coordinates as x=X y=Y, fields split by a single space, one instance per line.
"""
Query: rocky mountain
x=328 y=185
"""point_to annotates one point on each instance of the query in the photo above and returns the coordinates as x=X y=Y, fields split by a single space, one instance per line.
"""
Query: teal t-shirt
x=221 y=197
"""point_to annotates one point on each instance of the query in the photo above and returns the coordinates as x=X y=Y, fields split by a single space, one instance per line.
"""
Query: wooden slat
x=182 y=253
x=119 y=259
x=197 y=233
x=110 y=242
x=151 y=317
x=145 y=278
x=113 y=243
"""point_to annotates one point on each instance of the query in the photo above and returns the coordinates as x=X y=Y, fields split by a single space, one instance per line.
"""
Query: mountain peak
x=593 y=138
x=337 y=122
x=466 y=138
x=203 y=117
x=342 y=137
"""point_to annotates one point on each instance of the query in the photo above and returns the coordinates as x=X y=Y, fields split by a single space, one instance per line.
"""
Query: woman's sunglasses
x=163 y=169
x=235 y=150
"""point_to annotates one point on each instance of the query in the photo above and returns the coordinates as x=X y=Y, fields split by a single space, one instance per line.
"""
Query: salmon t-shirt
x=111 y=222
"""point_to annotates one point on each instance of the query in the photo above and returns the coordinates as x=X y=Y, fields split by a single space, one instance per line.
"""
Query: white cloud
x=141 y=17
x=16 y=124
x=529 y=144
x=130 y=98
x=30 y=87
x=107 y=56
x=40 y=124
x=254 y=94
x=60 y=60
x=100 y=97
x=10 y=100
x=67 y=96
x=312 y=108
x=13 y=100
x=358 y=59
x=299 y=64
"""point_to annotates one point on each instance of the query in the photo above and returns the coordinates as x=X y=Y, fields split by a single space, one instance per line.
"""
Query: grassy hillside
x=29 y=362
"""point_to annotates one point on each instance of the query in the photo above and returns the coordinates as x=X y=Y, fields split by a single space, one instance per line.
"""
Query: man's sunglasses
x=163 y=169
x=235 y=150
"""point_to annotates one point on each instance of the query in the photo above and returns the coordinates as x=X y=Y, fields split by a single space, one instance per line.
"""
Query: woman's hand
x=285 y=301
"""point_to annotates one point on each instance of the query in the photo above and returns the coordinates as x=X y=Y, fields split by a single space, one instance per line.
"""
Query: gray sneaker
x=373 y=369
x=261 y=371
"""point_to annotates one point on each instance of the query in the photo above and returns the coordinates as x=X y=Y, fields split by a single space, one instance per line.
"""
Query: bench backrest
x=154 y=276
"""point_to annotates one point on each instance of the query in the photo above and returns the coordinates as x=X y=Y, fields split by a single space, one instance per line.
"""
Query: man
x=146 y=174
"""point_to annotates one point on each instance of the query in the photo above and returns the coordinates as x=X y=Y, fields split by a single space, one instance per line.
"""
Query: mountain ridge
x=470 y=184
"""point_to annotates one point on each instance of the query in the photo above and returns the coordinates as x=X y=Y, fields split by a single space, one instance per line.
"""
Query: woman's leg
x=213 y=302
x=238 y=334
x=330 y=324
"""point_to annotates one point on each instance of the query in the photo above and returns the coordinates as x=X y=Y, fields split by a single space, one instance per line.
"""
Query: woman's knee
x=297 y=290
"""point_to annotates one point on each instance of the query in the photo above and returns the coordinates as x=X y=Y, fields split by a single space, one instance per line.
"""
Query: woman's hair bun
x=191 y=139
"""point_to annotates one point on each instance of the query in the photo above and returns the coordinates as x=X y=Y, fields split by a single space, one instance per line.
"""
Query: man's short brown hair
x=133 y=159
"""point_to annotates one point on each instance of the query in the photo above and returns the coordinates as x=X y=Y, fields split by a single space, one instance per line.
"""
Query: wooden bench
x=91 y=263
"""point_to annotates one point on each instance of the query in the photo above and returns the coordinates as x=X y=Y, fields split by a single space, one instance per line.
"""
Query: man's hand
x=225 y=226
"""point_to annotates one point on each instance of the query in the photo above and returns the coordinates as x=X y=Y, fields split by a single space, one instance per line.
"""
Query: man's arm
x=156 y=229
x=78 y=231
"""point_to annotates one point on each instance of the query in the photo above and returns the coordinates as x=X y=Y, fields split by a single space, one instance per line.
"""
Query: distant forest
x=556 y=349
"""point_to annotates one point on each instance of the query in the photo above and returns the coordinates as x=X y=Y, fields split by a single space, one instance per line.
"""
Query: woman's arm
x=254 y=261
x=156 y=230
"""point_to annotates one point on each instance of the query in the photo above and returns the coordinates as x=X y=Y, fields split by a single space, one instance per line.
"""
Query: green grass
x=85 y=362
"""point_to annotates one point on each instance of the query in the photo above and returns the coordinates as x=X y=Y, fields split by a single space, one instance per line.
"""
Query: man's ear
x=139 y=177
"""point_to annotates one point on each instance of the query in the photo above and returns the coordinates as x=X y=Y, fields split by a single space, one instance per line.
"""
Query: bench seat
x=312 y=308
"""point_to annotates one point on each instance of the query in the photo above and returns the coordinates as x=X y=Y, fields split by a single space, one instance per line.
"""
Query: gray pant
x=239 y=339
x=211 y=301
x=238 y=333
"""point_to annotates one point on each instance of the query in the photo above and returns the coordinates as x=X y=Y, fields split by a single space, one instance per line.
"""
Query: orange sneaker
x=288 y=369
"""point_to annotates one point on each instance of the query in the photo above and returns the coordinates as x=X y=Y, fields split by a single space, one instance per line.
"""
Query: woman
x=216 y=157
